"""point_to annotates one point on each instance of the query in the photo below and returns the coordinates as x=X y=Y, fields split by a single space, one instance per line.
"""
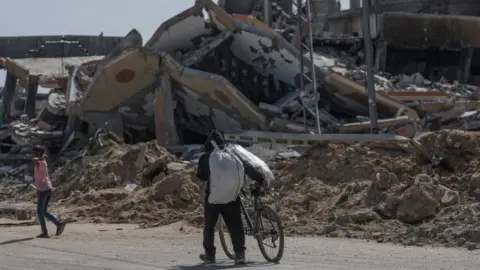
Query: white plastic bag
x=226 y=176
x=260 y=168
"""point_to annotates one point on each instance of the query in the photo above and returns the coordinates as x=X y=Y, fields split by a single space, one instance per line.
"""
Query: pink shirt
x=42 y=179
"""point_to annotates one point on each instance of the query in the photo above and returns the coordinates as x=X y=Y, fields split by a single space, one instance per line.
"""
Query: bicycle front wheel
x=270 y=233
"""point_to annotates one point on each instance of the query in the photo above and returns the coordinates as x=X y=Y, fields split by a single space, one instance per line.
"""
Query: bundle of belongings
x=230 y=165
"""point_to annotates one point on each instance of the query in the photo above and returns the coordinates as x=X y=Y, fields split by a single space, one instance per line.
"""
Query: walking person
x=231 y=211
x=44 y=192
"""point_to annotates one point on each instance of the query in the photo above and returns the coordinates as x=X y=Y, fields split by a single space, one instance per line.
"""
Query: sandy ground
x=89 y=246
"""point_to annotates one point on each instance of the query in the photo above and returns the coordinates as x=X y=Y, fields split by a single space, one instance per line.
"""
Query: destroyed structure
x=221 y=67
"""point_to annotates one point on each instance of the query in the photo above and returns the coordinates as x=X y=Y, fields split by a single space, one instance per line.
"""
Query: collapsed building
x=211 y=68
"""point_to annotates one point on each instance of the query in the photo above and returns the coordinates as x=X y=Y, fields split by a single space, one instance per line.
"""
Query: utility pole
x=302 y=82
x=314 y=78
x=372 y=99
x=307 y=47
x=267 y=12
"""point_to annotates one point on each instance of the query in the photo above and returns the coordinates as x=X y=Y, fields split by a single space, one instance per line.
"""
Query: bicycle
x=255 y=228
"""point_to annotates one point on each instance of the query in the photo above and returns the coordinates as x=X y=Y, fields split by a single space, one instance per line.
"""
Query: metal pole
x=372 y=100
x=314 y=78
x=267 y=12
x=302 y=82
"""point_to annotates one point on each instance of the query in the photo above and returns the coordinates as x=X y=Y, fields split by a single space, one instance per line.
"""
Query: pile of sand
x=386 y=193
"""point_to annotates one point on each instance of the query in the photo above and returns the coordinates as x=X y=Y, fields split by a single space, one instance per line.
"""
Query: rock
x=176 y=167
x=166 y=187
x=474 y=235
x=475 y=181
x=416 y=204
x=383 y=178
x=447 y=196
x=423 y=178
x=418 y=79
x=382 y=211
x=343 y=196
x=392 y=203
x=344 y=220
x=405 y=80
x=313 y=206
x=23 y=215
x=110 y=180
x=364 y=216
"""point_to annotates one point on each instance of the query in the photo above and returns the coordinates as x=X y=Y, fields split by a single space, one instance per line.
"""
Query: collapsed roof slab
x=354 y=97
x=263 y=48
x=222 y=101
x=80 y=78
x=132 y=40
x=137 y=70
x=182 y=32
x=18 y=47
x=46 y=69
x=256 y=44
x=120 y=79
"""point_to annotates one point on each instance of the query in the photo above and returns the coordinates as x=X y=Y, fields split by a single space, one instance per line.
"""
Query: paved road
x=124 y=247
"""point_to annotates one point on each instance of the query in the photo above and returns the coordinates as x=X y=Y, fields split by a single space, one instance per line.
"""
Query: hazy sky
x=88 y=17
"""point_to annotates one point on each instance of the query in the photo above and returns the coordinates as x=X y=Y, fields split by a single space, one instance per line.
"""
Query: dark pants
x=42 y=210
x=232 y=216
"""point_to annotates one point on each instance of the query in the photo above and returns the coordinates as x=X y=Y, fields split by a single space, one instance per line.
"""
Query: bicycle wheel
x=224 y=235
x=268 y=217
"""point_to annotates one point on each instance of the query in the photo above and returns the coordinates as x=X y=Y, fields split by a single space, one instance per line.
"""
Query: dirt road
x=176 y=247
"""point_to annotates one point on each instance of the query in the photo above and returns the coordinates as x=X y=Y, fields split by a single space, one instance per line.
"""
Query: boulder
x=475 y=181
x=383 y=179
x=417 y=203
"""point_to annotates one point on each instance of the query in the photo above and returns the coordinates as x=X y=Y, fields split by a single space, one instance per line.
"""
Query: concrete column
x=31 y=101
x=381 y=56
x=8 y=95
x=165 y=129
x=465 y=64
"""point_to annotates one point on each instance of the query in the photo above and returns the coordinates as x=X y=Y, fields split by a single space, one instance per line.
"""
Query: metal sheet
x=252 y=136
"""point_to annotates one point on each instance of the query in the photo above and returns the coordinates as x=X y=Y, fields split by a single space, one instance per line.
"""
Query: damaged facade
x=219 y=67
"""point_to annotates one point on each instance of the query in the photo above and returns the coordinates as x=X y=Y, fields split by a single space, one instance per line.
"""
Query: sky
x=89 y=17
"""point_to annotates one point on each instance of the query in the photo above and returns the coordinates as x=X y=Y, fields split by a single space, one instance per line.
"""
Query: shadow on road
x=16 y=241
x=219 y=265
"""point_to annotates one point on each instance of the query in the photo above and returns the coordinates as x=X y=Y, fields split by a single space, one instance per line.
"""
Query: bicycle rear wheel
x=224 y=237
x=268 y=217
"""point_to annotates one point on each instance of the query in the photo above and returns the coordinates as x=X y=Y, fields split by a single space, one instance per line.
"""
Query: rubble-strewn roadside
x=364 y=191
x=371 y=190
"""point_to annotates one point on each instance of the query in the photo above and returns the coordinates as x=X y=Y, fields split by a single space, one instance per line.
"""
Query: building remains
x=233 y=68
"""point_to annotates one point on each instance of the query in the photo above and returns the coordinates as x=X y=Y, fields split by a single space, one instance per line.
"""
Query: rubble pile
x=381 y=192
x=161 y=189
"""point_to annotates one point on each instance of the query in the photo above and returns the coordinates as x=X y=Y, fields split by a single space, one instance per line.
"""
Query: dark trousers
x=232 y=216
x=42 y=210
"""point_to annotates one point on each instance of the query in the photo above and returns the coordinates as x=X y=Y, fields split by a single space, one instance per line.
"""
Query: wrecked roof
x=56 y=46
x=44 y=68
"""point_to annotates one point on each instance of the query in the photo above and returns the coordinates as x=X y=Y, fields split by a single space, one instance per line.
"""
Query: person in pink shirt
x=44 y=192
